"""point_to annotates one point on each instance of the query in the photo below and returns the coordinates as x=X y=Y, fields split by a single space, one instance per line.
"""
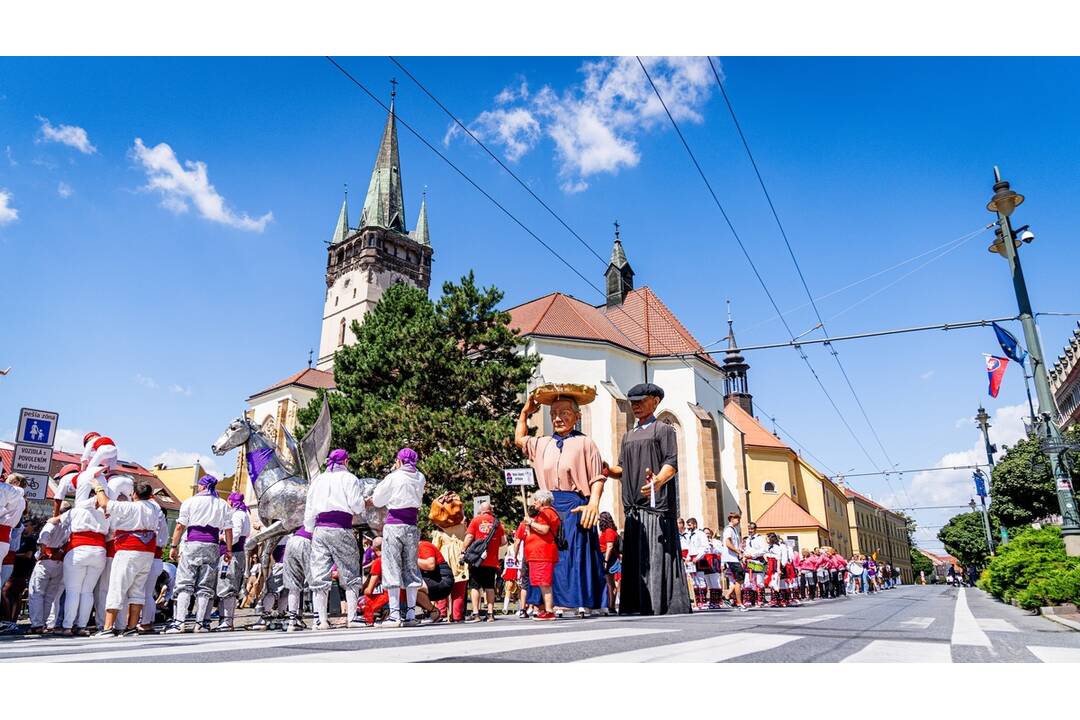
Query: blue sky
x=148 y=300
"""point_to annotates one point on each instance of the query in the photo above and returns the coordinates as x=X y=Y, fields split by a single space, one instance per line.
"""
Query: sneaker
x=523 y=614
x=558 y=613
x=174 y=627
x=110 y=633
x=474 y=618
x=583 y=613
x=224 y=627
x=354 y=624
x=202 y=627
x=132 y=632
x=435 y=617
x=413 y=623
x=388 y=623
x=80 y=632
x=545 y=616
x=743 y=608
x=320 y=626
x=261 y=624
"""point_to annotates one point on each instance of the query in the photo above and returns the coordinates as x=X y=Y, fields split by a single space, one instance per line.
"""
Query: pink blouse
x=574 y=469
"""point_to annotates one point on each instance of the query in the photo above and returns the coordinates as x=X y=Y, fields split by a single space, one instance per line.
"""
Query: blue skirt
x=579 y=574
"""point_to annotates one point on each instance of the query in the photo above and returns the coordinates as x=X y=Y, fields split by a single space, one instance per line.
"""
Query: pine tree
x=445 y=379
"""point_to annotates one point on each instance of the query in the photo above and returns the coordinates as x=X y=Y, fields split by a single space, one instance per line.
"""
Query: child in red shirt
x=541 y=551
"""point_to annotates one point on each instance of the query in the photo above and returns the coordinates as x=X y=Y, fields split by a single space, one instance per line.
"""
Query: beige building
x=878 y=532
x=183 y=481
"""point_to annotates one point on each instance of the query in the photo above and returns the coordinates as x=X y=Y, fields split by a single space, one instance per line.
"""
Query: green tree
x=444 y=379
x=1022 y=486
x=965 y=538
x=921 y=563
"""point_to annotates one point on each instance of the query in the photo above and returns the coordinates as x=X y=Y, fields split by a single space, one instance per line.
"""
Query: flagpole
x=1027 y=388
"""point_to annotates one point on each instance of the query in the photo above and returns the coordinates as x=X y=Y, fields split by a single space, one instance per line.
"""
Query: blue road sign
x=37 y=432
x=980 y=484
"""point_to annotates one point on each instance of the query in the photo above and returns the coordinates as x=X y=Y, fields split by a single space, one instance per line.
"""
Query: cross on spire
x=309 y=354
x=393 y=88
x=616 y=229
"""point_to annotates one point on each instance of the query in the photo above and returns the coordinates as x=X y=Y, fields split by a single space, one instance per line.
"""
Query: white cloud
x=69 y=439
x=594 y=124
x=927 y=375
x=8 y=214
x=146 y=382
x=70 y=135
x=184 y=185
x=180 y=458
x=10 y=157
x=64 y=190
x=955 y=487
x=180 y=390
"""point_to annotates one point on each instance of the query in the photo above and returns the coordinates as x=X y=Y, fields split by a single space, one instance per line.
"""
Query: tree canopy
x=965 y=538
x=1022 y=486
x=921 y=563
x=443 y=378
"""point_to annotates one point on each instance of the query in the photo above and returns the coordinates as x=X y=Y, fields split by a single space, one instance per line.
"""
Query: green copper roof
x=420 y=234
x=618 y=255
x=342 y=227
x=384 y=205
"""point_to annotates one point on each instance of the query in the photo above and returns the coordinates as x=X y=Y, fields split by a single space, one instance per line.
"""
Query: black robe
x=653 y=577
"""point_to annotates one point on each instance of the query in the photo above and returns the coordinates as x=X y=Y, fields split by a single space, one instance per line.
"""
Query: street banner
x=980 y=484
x=995 y=370
x=315 y=446
x=1009 y=344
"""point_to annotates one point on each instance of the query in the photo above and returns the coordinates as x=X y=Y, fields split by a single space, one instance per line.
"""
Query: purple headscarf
x=209 y=484
x=408 y=458
x=237 y=501
x=337 y=460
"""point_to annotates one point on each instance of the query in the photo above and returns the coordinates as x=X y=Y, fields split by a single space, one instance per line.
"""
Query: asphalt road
x=907 y=624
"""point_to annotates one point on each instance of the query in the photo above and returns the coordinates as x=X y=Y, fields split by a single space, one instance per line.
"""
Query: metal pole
x=986 y=525
x=1003 y=203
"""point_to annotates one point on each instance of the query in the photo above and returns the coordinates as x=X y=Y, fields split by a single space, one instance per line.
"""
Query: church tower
x=619 y=275
x=364 y=261
x=736 y=387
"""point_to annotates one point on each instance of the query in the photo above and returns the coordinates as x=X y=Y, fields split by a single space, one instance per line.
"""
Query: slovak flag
x=995 y=370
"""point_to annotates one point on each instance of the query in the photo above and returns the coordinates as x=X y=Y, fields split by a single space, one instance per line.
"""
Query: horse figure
x=279 y=482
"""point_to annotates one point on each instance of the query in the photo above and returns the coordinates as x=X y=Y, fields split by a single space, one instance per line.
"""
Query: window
x=769 y=487
x=335 y=301
x=354 y=293
x=341 y=333
x=793 y=542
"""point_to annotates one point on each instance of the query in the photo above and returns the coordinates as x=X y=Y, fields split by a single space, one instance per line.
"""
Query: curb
x=1071 y=624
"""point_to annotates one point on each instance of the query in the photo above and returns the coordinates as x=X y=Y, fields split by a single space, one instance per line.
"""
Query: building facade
x=1065 y=382
x=878 y=532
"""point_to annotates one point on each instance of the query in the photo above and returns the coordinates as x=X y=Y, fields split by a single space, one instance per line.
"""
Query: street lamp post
x=1004 y=201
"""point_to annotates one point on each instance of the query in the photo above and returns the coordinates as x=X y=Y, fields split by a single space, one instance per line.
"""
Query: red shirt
x=376 y=571
x=427 y=550
x=479 y=528
x=522 y=531
x=542 y=547
x=607 y=537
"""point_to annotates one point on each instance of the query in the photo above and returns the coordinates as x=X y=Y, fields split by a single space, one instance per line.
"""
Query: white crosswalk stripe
x=469 y=648
x=710 y=650
x=902 y=651
x=807 y=620
x=966 y=630
x=995 y=625
x=919 y=622
x=1055 y=654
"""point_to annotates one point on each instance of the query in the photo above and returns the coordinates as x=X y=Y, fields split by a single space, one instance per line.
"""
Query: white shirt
x=55 y=534
x=84 y=484
x=133 y=515
x=697 y=544
x=203 y=510
x=241 y=525
x=64 y=486
x=400 y=489
x=330 y=491
x=726 y=554
x=86 y=516
x=12 y=504
x=755 y=546
x=162 y=528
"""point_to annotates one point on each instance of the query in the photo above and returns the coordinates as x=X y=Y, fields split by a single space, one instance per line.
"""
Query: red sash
x=5 y=533
x=85 y=537
x=48 y=553
x=110 y=548
x=129 y=540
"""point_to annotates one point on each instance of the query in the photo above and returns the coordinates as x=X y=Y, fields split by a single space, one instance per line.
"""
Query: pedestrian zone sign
x=37 y=427
x=519 y=476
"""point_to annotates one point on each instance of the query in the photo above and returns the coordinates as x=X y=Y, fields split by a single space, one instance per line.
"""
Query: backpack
x=560 y=538
x=478 y=549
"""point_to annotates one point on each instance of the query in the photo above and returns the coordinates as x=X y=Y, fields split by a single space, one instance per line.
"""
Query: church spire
x=342 y=227
x=384 y=205
x=420 y=234
x=619 y=275
x=736 y=386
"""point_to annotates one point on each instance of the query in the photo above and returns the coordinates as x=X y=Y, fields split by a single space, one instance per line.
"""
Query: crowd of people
x=101 y=566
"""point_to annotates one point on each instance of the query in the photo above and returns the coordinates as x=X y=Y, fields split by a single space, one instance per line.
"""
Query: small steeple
x=342 y=227
x=384 y=205
x=420 y=234
x=619 y=275
x=736 y=386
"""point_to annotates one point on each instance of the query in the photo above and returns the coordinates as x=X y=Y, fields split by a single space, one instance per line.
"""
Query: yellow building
x=183 y=482
x=878 y=532
x=825 y=499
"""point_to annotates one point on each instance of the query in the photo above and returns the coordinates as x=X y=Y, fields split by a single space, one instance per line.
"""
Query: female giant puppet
x=569 y=465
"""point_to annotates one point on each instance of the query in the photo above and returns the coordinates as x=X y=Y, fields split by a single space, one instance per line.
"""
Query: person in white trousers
x=85 y=559
x=47 y=579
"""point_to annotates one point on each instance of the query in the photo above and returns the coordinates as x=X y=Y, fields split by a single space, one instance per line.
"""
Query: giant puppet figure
x=280 y=482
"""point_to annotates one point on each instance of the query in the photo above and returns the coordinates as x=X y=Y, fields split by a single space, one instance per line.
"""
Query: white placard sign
x=519 y=476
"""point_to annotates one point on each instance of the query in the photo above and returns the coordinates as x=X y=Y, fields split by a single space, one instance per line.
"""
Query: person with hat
x=334 y=497
x=232 y=572
x=47 y=579
x=161 y=537
x=66 y=481
x=85 y=558
x=568 y=464
x=134 y=527
x=203 y=517
x=653 y=577
x=401 y=493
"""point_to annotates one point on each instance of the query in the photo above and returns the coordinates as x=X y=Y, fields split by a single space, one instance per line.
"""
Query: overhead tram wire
x=802 y=277
x=753 y=267
x=915 y=470
x=465 y=176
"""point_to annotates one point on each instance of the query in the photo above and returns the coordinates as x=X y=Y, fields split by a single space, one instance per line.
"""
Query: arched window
x=769 y=487
x=341 y=333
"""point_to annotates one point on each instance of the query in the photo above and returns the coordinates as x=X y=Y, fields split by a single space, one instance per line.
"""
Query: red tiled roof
x=754 y=432
x=852 y=494
x=784 y=514
x=308 y=377
x=642 y=324
x=60 y=458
